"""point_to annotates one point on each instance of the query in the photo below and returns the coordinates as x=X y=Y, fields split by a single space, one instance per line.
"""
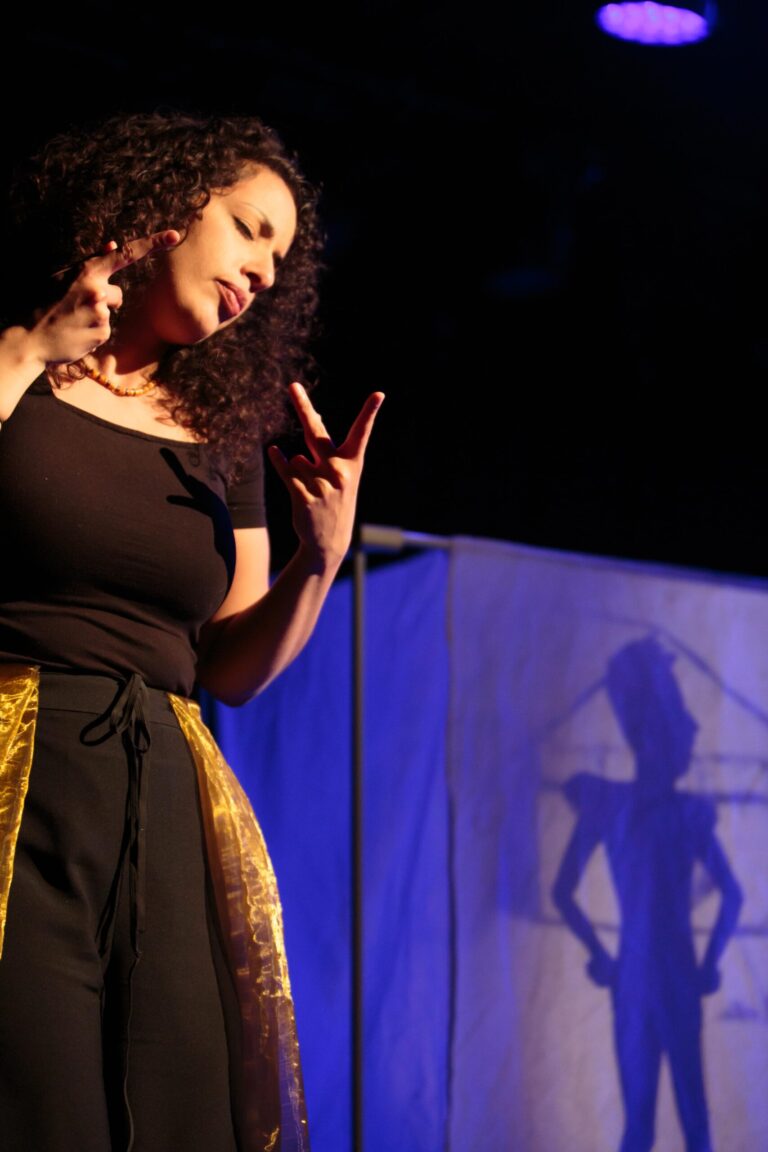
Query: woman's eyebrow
x=267 y=225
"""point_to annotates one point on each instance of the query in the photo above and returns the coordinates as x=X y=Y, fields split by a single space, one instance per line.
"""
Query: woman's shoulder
x=40 y=387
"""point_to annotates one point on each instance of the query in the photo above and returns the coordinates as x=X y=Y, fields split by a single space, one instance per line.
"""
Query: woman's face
x=231 y=253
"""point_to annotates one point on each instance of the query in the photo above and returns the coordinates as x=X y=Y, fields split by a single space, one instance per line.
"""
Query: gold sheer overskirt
x=251 y=917
x=19 y=695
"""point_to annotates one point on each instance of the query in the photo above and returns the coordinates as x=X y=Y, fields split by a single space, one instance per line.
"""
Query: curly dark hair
x=132 y=175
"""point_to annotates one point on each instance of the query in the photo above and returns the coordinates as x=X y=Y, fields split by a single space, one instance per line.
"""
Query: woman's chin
x=191 y=332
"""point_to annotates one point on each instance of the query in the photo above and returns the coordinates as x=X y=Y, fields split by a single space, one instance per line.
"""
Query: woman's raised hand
x=323 y=484
x=80 y=321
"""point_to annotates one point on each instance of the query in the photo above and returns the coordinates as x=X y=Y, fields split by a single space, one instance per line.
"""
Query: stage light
x=647 y=22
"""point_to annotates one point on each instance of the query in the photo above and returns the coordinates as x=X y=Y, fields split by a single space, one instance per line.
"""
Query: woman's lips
x=233 y=299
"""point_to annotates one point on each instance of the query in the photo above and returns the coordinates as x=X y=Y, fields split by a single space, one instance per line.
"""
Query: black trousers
x=118 y=1018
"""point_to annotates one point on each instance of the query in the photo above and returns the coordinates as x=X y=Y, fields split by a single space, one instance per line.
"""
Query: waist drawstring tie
x=127 y=718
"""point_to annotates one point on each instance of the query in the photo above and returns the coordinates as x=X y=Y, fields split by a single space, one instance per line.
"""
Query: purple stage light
x=646 y=22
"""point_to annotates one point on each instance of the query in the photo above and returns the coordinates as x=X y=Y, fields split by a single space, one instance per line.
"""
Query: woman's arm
x=259 y=630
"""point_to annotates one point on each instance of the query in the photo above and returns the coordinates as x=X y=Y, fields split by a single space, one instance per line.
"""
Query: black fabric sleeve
x=245 y=499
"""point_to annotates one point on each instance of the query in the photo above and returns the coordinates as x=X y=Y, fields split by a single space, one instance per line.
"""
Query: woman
x=166 y=292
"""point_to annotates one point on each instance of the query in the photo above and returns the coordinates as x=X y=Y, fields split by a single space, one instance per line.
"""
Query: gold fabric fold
x=19 y=694
x=251 y=919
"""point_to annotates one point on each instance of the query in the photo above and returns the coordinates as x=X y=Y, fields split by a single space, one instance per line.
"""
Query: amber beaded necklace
x=105 y=382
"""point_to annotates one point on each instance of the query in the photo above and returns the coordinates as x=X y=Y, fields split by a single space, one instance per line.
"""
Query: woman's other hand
x=323 y=484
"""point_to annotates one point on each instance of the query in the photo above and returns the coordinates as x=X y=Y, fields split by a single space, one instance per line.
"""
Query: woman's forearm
x=243 y=653
x=20 y=365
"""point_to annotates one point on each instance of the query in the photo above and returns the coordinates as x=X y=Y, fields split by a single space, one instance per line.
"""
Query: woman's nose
x=261 y=271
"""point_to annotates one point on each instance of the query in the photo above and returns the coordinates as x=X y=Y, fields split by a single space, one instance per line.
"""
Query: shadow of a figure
x=653 y=834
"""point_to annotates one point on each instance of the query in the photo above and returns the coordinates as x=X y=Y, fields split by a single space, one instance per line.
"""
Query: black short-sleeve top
x=115 y=546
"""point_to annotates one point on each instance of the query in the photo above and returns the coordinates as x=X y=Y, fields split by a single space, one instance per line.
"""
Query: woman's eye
x=243 y=228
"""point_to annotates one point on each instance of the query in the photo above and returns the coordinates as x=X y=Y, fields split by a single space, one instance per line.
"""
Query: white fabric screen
x=503 y=688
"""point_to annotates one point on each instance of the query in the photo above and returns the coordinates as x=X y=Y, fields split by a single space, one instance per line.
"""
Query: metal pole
x=385 y=538
x=374 y=537
x=357 y=848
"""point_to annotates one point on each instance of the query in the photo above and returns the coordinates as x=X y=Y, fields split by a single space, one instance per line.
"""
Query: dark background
x=547 y=246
